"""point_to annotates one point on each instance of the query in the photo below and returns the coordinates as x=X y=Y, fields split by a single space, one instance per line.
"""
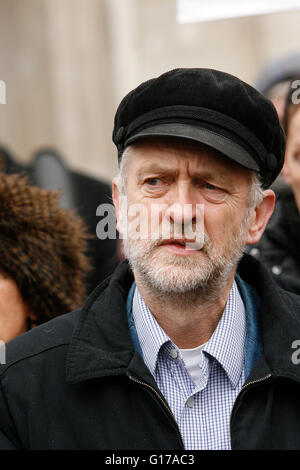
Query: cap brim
x=225 y=145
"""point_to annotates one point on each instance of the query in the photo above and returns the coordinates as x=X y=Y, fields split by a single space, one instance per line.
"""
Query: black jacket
x=279 y=247
x=76 y=382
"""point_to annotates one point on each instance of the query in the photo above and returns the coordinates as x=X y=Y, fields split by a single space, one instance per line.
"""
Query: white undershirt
x=192 y=359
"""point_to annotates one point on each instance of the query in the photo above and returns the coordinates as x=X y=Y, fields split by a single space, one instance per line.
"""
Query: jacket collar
x=284 y=226
x=279 y=321
x=101 y=344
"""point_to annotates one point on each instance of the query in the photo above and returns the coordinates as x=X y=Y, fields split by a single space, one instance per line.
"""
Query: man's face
x=181 y=174
x=292 y=155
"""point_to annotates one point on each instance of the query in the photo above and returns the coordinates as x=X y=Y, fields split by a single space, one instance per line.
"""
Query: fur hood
x=42 y=247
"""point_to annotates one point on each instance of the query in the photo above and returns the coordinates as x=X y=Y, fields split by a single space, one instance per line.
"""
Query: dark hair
x=42 y=247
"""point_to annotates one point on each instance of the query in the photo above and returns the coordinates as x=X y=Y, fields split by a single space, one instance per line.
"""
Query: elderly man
x=189 y=344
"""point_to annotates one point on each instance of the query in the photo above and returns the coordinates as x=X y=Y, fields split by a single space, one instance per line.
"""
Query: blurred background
x=67 y=64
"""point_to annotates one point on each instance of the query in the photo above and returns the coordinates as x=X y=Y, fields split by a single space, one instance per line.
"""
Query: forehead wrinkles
x=180 y=158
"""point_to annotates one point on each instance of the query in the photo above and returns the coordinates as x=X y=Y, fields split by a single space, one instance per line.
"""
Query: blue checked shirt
x=202 y=410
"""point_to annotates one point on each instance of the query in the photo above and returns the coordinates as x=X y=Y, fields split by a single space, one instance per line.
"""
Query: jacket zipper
x=261 y=379
x=166 y=406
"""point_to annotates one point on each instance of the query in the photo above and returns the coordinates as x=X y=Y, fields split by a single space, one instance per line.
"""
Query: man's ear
x=260 y=217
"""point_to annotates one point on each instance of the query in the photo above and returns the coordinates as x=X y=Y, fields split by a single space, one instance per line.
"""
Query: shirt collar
x=226 y=345
x=151 y=336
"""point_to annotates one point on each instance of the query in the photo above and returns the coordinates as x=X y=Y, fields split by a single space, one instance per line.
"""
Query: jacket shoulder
x=291 y=300
x=50 y=335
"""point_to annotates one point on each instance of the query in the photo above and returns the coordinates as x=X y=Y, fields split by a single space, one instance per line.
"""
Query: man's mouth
x=182 y=245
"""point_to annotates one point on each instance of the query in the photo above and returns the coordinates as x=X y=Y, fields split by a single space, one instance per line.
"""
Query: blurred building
x=67 y=63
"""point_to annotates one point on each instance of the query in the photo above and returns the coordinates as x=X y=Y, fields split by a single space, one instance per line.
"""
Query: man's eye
x=210 y=186
x=154 y=181
x=214 y=193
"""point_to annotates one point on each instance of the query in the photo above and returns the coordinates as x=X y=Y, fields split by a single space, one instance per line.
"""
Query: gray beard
x=182 y=279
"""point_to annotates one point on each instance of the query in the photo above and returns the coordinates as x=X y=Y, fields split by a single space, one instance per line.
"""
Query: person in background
x=277 y=95
x=43 y=264
x=79 y=192
x=279 y=247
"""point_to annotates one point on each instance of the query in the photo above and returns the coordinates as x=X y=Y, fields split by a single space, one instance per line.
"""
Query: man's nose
x=183 y=207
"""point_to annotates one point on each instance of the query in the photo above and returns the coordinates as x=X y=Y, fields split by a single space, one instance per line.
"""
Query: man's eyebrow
x=155 y=169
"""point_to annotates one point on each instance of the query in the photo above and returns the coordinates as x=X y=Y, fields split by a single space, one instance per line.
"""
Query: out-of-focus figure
x=273 y=81
x=43 y=262
x=79 y=192
x=292 y=130
x=274 y=78
x=279 y=248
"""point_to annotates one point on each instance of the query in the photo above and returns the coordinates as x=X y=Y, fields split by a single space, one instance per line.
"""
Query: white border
x=192 y=11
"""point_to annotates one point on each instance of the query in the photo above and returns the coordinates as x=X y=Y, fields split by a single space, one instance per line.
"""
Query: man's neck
x=188 y=319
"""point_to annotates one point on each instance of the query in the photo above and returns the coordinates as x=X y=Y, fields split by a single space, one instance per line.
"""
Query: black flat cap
x=208 y=106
